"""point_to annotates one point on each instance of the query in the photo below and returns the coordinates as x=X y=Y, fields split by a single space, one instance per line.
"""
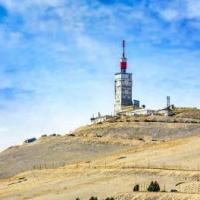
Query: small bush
x=99 y=135
x=93 y=198
x=136 y=188
x=154 y=187
x=109 y=198
x=44 y=135
x=71 y=134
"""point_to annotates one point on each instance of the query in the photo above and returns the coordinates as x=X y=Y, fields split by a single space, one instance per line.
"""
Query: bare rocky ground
x=107 y=160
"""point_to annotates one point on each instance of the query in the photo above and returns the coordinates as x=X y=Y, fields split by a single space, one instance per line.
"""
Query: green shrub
x=93 y=198
x=154 y=187
x=136 y=188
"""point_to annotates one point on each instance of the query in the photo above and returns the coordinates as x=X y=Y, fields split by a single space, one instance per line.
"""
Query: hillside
x=52 y=152
x=91 y=141
x=170 y=163
x=108 y=159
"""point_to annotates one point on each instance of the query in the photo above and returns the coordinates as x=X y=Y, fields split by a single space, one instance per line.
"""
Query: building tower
x=123 y=85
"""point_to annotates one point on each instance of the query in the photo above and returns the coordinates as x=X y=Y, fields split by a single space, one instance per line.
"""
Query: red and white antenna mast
x=123 y=61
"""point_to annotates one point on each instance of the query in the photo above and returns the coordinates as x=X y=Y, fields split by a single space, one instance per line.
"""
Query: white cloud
x=170 y=14
x=193 y=8
x=178 y=9
x=25 y=5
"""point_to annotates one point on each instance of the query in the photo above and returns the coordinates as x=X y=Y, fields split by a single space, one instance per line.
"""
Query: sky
x=58 y=59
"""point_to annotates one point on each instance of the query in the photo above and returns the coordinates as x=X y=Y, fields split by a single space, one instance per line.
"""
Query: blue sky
x=58 y=57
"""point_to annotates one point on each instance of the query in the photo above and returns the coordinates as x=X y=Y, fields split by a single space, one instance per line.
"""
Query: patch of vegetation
x=93 y=198
x=44 y=135
x=99 y=135
x=154 y=187
x=141 y=139
x=122 y=157
x=136 y=188
x=174 y=190
x=53 y=135
x=71 y=134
